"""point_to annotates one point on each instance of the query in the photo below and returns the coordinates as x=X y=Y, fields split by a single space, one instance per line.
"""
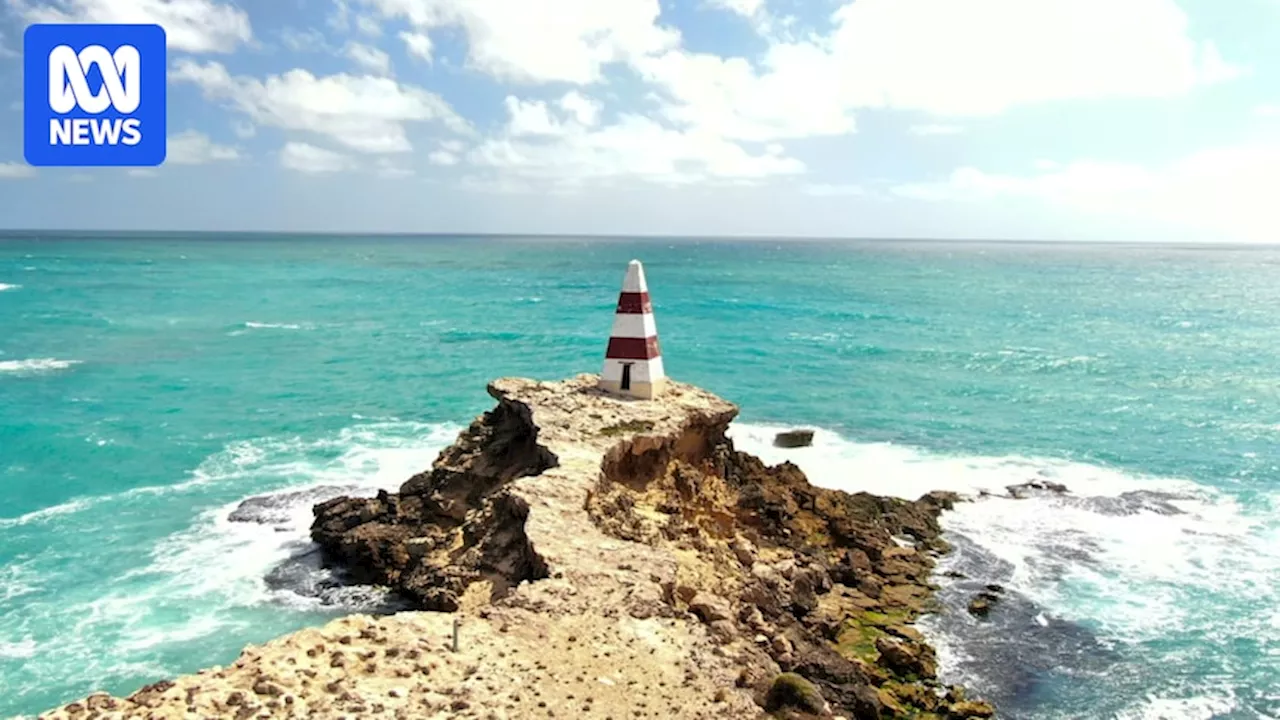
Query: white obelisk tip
x=635 y=278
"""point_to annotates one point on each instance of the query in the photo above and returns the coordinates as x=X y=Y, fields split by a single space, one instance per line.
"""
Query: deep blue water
x=149 y=385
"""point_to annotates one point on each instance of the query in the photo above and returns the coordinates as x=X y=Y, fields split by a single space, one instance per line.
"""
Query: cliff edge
x=603 y=558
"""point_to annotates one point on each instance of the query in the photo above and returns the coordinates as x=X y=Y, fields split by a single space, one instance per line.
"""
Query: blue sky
x=1043 y=119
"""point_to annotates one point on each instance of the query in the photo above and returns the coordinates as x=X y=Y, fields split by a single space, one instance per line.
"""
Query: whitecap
x=276 y=326
x=35 y=365
x=46 y=514
x=5 y=286
x=21 y=650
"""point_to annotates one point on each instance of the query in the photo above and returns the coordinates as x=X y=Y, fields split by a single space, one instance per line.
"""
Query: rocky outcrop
x=824 y=584
x=450 y=527
x=793 y=439
x=605 y=558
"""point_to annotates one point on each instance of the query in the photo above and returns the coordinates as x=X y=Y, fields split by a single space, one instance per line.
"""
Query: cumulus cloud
x=364 y=113
x=539 y=41
x=417 y=44
x=369 y=58
x=542 y=146
x=197 y=26
x=192 y=147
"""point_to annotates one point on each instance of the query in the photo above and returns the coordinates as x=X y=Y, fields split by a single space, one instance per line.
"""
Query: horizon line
x=9 y=233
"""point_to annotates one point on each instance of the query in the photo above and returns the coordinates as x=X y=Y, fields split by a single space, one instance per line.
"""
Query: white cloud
x=1267 y=111
x=191 y=25
x=195 y=148
x=1226 y=193
x=13 y=170
x=941 y=57
x=936 y=129
x=340 y=18
x=243 y=129
x=364 y=113
x=442 y=157
x=417 y=44
x=310 y=40
x=307 y=158
x=142 y=172
x=538 y=41
x=368 y=26
x=583 y=109
x=746 y=8
x=531 y=117
x=543 y=148
x=369 y=58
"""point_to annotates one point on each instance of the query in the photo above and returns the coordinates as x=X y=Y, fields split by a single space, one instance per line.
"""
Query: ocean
x=148 y=384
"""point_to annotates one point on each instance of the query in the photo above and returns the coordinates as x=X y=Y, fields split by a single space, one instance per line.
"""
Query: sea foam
x=35 y=365
x=1134 y=558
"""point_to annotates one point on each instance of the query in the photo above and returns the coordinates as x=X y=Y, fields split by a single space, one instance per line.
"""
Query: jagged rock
x=1023 y=490
x=450 y=527
x=970 y=709
x=907 y=658
x=981 y=604
x=710 y=608
x=793 y=439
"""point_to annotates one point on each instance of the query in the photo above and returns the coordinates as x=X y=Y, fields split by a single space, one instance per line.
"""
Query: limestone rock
x=601 y=556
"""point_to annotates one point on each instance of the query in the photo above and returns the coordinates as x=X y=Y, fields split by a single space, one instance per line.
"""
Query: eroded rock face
x=826 y=584
x=450 y=527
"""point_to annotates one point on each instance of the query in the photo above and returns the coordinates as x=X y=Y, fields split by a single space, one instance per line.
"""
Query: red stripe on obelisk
x=633 y=303
x=632 y=348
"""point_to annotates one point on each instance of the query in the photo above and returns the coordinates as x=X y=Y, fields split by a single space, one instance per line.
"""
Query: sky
x=1107 y=120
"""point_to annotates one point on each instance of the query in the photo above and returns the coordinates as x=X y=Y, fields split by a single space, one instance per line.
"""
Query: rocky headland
x=578 y=555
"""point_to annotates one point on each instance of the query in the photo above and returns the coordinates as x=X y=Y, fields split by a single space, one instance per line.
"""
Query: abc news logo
x=69 y=89
x=94 y=95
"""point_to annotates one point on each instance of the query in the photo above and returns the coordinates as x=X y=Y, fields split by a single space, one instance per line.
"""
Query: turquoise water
x=148 y=385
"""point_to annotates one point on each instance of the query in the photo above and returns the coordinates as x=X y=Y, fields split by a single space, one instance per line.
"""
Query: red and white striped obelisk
x=633 y=362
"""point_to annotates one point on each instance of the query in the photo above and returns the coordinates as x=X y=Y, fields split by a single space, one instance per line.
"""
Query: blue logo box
x=94 y=95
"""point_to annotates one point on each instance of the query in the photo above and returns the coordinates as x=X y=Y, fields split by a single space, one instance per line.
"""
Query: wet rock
x=1031 y=487
x=793 y=439
x=281 y=508
x=907 y=658
x=981 y=604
